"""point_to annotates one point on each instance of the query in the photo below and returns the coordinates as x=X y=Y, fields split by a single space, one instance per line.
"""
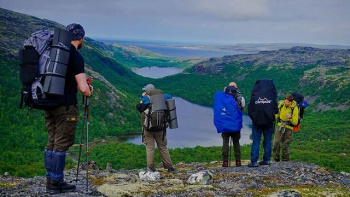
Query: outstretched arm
x=83 y=87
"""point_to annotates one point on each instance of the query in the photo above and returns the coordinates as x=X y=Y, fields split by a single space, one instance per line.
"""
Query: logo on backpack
x=43 y=65
x=262 y=101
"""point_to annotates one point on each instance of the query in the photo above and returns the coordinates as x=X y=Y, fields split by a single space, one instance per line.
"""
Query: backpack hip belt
x=285 y=123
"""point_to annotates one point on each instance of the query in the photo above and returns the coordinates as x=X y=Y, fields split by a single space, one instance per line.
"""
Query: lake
x=196 y=127
x=157 y=72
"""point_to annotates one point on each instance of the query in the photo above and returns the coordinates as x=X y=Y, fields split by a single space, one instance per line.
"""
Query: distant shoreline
x=207 y=50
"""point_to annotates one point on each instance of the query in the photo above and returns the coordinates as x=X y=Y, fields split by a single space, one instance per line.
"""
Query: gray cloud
x=220 y=21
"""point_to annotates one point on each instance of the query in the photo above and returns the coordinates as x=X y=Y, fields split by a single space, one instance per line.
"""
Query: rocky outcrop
x=196 y=179
x=295 y=56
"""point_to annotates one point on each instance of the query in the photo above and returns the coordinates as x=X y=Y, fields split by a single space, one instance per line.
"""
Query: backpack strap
x=164 y=133
x=279 y=112
x=21 y=104
x=148 y=114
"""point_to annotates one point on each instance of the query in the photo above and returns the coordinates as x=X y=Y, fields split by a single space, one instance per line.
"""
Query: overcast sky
x=201 y=21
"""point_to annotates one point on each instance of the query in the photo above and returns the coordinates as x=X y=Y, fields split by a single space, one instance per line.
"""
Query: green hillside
x=115 y=94
x=324 y=137
x=134 y=57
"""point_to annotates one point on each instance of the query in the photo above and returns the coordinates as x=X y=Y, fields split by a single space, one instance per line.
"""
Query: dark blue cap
x=77 y=30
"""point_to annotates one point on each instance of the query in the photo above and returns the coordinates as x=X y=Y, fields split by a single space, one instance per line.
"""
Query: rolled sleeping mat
x=158 y=102
x=59 y=56
x=172 y=113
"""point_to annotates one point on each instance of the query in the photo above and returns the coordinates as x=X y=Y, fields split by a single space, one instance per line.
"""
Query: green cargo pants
x=283 y=137
x=61 y=124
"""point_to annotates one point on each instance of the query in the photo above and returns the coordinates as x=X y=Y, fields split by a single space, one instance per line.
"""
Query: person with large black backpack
x=262 y=109
x=61 y=110
x=155 y=119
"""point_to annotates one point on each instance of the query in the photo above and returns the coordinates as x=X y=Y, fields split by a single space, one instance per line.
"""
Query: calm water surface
x=196 y=127
x=157 y=72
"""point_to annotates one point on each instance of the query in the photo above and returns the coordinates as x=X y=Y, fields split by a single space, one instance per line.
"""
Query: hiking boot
x=238 y=163
x=277 y=160
x=171 y=169
x=53 y=187
x=65 y=187
x=253 y=164
x=225 y=164
x=264 y=162
x=153 y=169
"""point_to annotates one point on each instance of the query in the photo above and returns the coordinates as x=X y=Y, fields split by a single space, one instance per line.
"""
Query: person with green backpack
x=287 y=118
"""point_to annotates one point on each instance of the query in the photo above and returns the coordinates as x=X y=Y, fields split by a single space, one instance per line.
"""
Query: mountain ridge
x=295 y=56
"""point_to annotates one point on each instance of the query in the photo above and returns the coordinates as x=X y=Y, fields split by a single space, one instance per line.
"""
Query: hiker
x=235 y=134
x=61 y=122
x=287 y=117
x=262 y=109
x=238 y=96
x=157 y=135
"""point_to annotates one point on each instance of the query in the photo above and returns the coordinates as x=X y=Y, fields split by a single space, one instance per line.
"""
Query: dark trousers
x=283 y=137
x=235 y=136
x=256 y=135
x=61 y=125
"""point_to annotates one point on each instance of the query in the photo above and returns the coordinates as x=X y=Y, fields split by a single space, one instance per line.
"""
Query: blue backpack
x=227 y=115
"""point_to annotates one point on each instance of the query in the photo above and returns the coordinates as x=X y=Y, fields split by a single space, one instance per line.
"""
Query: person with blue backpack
x=228 y=120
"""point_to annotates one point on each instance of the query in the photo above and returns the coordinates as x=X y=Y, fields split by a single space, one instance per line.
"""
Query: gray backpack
x=156 y=114
x=43 y=64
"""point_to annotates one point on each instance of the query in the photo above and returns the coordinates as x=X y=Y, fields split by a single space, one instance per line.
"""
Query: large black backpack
x=43 y=65
x=263 y=104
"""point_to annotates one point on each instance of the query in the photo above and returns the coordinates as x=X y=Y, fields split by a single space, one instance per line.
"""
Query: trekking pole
x=87 y=140
x=86 y=115
x=81 y=136
x=230 y=147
